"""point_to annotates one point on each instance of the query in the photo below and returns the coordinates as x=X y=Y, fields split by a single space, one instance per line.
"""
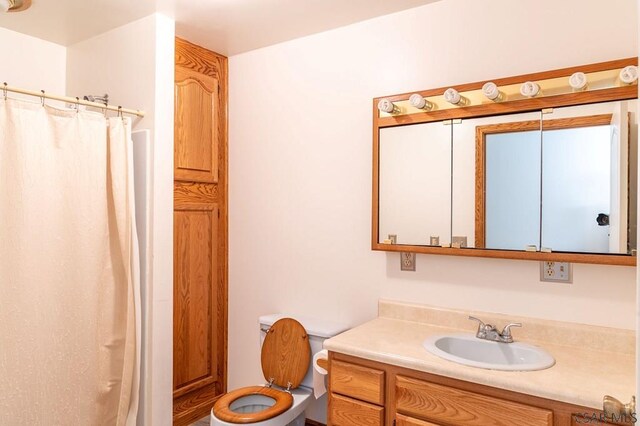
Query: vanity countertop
x=591 y=361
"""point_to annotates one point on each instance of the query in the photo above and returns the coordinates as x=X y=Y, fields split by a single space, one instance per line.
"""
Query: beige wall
x=300 y=164
x=24 y=60
x=134 y=64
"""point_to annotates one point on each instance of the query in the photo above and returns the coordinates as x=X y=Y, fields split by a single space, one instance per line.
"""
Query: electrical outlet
x=556 y=272
x=407 y=261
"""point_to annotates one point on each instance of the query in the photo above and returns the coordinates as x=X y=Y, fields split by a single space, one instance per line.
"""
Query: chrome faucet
x=489 y=332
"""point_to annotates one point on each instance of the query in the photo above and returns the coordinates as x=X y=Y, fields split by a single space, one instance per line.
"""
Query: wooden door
x=200 y=232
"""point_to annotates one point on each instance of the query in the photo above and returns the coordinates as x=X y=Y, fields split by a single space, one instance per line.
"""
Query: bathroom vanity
x=380 y=373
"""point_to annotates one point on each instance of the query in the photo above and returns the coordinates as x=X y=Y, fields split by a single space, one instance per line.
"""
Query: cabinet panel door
x=196 y=127
x=350 y=412
x=195 y=296
x=451 y=406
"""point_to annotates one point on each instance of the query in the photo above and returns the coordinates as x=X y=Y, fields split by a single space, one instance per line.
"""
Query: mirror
x=496 y=181
x=545 y=177
x=589 y=178
x=560 y=181
x=415 y=183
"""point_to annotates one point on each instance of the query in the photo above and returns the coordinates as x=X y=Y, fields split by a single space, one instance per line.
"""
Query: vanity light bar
x=493 y=93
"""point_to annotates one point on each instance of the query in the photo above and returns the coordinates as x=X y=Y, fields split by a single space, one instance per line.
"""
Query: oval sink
x=469 y=350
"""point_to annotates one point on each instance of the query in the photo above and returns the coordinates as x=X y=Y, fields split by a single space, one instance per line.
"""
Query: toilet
x=288 y=346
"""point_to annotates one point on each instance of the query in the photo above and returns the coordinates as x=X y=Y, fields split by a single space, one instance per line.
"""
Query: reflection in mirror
x=415 y=183
x=497 y=206
x=564 y=181
x=589 y=178
x=511 y=186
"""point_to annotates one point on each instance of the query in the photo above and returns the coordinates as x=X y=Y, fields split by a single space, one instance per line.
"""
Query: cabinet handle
x=612 y=406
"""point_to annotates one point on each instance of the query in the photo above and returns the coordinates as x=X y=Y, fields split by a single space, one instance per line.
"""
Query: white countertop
x=582 y=374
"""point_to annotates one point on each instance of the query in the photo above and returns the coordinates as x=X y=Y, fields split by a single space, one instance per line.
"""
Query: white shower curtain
x=69 y=268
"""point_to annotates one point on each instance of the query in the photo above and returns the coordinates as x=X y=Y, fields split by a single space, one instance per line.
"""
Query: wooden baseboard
x=313 y=423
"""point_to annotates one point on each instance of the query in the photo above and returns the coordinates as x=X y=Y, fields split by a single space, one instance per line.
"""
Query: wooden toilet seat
x=285 y=358
x=283 y=401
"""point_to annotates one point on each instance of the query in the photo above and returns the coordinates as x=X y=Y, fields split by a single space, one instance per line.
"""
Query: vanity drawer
x=451 y=406
x=345 y=411
x=410 y=421
x=358 y=382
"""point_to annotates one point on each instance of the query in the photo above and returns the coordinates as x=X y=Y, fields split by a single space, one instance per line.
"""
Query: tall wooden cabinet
x=200 y=232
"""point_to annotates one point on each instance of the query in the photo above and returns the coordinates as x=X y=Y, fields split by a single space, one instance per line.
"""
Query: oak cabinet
x=364 y=392
x=200 y=232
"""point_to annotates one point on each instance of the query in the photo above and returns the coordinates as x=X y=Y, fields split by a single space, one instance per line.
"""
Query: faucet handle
x=481 y=326
x=506 y=331
x=480 y=322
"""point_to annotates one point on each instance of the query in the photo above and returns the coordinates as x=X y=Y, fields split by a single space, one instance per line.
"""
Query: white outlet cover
x=407 y=261
x=556 y=272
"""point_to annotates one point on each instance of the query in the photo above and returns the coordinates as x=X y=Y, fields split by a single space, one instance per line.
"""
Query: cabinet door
x=195 y=307
x=196 y=127
x=451 y=406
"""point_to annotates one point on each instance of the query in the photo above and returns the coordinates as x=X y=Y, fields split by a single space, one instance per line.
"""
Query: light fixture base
x=18 y=5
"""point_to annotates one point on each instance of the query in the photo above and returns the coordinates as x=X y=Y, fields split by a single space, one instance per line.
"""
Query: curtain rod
x=77 y=101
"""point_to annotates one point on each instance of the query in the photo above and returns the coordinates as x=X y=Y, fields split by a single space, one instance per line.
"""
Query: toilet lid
x=286 y=353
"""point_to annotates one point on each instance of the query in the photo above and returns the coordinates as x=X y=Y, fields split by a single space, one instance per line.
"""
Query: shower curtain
x=69 y=268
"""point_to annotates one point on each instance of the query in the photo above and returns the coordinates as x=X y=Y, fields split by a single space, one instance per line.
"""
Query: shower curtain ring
x=4 y=90
x=42 y=97
x=77 y=104
x=120 y=111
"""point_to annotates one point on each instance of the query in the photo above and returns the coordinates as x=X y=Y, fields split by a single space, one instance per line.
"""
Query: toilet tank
x=318 y=331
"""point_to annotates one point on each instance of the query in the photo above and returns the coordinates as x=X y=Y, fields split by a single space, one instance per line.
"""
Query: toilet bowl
x=287 y=348
x=257 y=403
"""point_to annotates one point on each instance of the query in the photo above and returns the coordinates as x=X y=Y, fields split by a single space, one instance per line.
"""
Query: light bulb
x=452 y=96
x=529 y=89
x=629 y=74
x=385 y=105
x=491 y=91
x=5 y=5
x=417 y=101
x=578 y=80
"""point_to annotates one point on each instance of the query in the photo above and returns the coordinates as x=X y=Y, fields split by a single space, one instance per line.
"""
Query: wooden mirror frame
x=380 y=121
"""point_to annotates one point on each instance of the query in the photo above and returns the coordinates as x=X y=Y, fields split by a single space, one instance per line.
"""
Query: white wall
x=23 y=59
x=300 y=165
x=134 y=64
